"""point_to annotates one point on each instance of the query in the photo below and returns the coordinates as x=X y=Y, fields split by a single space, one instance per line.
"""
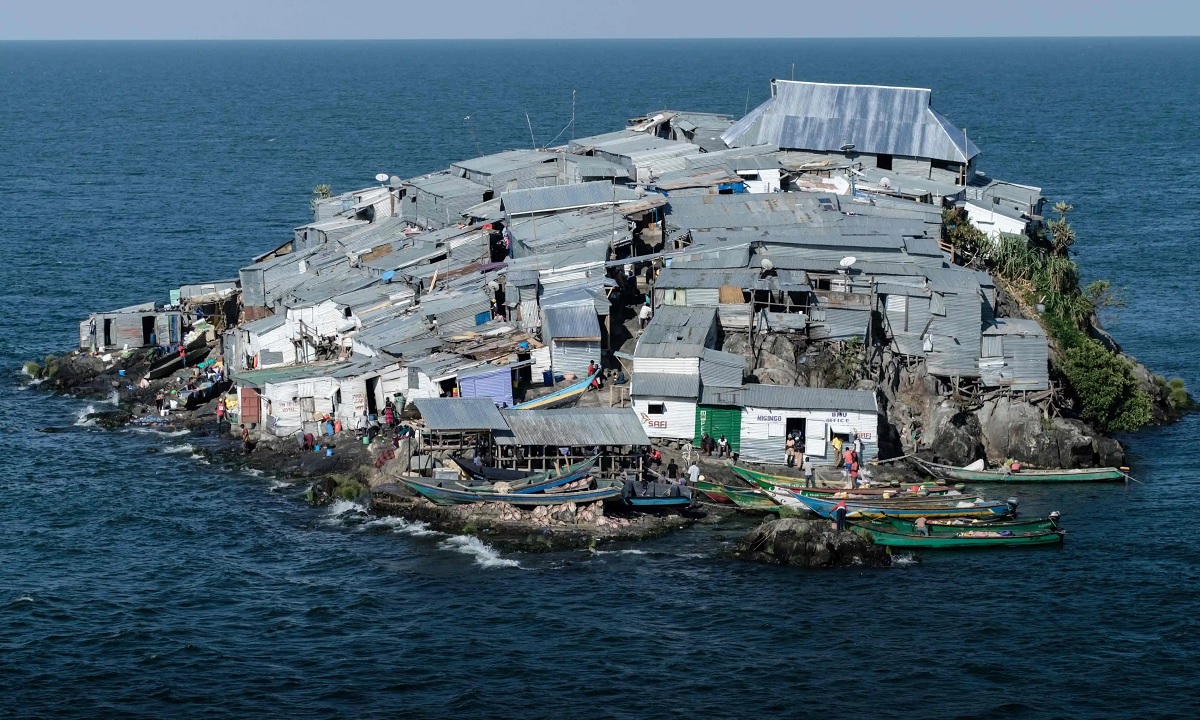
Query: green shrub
x=1109 y=395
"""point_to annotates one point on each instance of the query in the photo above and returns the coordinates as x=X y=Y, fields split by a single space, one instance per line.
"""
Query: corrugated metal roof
x=565 y=197
x=506 y=161
x=444 y=184
x=875 y=119
x=678 y=326
x=460 y=414
x=552 y=232
x=574 y=427
x=264 y=325
x=577 y=322
x=288 y=373
x=1015 y=326
x=665 y=385
x=785 y=397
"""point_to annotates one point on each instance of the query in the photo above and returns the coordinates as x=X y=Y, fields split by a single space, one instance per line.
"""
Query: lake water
x=137 y=581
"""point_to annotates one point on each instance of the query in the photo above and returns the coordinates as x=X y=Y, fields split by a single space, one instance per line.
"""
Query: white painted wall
x=678 y=422
x=993 y=223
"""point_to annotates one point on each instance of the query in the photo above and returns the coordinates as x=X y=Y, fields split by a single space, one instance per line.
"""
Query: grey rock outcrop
x=1017 y=430
x=954 y=434
x=808 y=543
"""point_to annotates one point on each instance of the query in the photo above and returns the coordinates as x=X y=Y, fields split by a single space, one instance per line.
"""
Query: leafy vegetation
x=320 y=192
x=1041 y=273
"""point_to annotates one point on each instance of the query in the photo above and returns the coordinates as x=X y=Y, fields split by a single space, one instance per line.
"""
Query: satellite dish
x=766 y=264
x=847 y=147
x=394 y=181
x=847 y=261
x=388 y=275
x=381 y=177
x=885 y=183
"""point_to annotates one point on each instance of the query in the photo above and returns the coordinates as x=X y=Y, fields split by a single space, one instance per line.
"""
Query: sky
x=471 y=19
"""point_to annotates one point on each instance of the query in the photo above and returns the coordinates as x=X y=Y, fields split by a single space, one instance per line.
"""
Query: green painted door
x=718 y=421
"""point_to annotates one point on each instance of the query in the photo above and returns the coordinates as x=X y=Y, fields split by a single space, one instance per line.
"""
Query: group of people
x=849 y=454
x=714 y=448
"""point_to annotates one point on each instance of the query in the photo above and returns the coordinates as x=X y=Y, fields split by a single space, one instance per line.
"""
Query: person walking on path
x=220 y=413
x=361 y=424
x=808 y=472
x=672 y=470
x=693 y=472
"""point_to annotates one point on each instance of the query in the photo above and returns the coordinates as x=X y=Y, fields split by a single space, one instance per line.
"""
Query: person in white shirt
x=693 y=472
x=644 y=315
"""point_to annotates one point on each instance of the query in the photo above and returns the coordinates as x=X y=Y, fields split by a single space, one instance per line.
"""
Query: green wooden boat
x=751 y=500
x=1025 y=475
x=957 y=537
x=946 y=528
x=713 y=491
x=770 y=482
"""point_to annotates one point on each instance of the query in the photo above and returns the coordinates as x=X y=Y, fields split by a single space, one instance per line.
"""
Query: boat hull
x=768 y=481
x=1083 y=475
x=978 y=538
x=450 y=496
x=559 y=398
x=752 y=500
x=824 y=508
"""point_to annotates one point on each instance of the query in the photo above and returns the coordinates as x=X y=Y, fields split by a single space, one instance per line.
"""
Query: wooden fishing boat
x=713 y=491
x=767 y=480
x=655 y=495
x=541 y=481
x=751 y=500
x=1025 y=475
x=954 y=537
x=485 y=474
x=958 y=525
x=447 y=495
x=980 y=508
x=559 y=398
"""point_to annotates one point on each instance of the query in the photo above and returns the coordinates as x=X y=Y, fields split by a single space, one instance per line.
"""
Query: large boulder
x=808 y=543
x=1017 y=430
x=954 y=435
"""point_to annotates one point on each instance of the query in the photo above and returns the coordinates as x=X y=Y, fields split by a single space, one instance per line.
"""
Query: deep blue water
x=136 y=581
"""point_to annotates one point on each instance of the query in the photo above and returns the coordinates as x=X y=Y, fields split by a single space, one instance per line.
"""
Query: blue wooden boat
x=485 y=474
x=544 y=480
x=443 y=494
x=559 y=398
x=655 y=495
x=979 y=508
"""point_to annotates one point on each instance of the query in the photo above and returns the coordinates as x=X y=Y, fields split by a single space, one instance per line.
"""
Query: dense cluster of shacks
x=816 y=216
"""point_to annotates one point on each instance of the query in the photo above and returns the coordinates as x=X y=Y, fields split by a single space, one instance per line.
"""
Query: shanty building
x=572 y=333
x=893 y=128
x=511 y=169
x=439 y=199
x=665 y=383
x=492 y=382
x=267 y=343
x=542 y=439
x=770 y=412
x=134 y=326
x=459 y=423
x=562 y=198
x=1014 y=355
x=285 y=400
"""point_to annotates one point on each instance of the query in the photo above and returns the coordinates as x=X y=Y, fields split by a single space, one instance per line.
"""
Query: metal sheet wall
x=763 y=433
x=672 y=366
x=956 y=342
x=718 y=421
x=496 y=385
x=678 y=422
x=573 y=355
x=734 y=316
x=702 y=297
x=254 y=289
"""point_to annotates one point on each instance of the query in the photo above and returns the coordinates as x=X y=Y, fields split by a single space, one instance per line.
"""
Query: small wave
x=253 y=472
x=176 y=449
x=22 y=599
x=622 y=552
x=400 y=525
x=904 y=560
x=485 y=555
x=114 y=398
x=160 y=433
x=277 y=485
x=340 y=508
x=81 y=417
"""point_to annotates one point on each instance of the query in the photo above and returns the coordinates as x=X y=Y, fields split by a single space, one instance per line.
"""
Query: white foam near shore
x=160 y=433
x=81 y=417
x=344 y=510
x=176 y=449
x=114 y=398
x=402 y=526
x=485 y=555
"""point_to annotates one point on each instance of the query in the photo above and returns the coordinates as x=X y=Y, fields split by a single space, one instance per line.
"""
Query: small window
x=656 y=409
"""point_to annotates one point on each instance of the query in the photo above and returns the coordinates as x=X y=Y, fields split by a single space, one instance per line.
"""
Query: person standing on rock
x=361 y=424
x=672 y=470
x=693 y=472
x=839 y=516
x=159 y=399
x=808 y=472
x=220 y=413
x=245 y=441
x=858 y=448
x=837 y=450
